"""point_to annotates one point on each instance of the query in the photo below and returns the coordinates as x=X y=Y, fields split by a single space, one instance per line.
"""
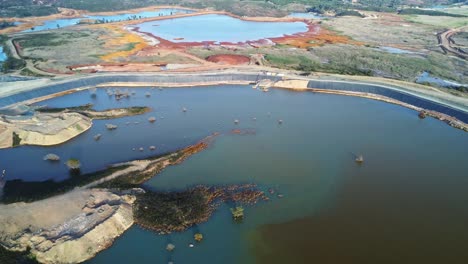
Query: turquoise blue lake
x=143 y=14
x=55 y=24
x=220 y=28
x=61 y=23
x=405 y=204
x=3 y=55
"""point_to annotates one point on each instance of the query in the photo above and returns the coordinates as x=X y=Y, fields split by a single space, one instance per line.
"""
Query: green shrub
x=15 y=257
x=16 y=140
x=349 y=13
x=417 y=11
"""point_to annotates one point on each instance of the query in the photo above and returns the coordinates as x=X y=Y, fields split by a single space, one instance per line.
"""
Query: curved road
x=29 y=64
x=445 y=42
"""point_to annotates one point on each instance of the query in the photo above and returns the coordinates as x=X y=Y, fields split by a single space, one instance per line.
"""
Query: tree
x=73 y=164
x=238 y=212
x=198 y=237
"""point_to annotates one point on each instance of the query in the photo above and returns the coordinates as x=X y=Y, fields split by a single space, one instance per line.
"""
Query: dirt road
x=446 y=42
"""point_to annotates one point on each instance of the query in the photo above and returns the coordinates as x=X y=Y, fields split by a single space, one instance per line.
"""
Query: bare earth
x=43 y=129
x=68 y=228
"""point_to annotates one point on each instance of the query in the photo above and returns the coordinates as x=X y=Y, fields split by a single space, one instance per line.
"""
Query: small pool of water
x=396 y=50
x=306 y=15
x=3 y=55
x=426 y=77
x=220 y=28
x=61 y=23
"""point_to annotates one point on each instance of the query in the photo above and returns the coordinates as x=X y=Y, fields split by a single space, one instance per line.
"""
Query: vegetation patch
x=360 y=60
x=6 y=24
x=15 y=257
x=11 y=63
x=28 y=72
x=349 y=13
x=166 y=212
x=16 y=140
x=70 y=109
x=25 y=8
x=87 y=110
x=417 y=11
x=49 y=39
x=54 y=51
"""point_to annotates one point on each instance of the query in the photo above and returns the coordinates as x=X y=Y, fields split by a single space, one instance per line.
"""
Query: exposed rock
x=44 y=129
x=69 y=228
x=51 y=157
x=170 y=247
x=422 y=115
x=111 y=126
x=97 y=137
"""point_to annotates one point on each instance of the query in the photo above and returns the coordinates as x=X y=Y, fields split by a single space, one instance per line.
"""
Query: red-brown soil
x=230 y=59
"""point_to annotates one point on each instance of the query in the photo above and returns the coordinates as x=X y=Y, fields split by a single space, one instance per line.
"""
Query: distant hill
x=25 y=8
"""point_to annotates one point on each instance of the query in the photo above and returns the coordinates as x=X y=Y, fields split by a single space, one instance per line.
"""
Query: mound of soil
x=230 y=59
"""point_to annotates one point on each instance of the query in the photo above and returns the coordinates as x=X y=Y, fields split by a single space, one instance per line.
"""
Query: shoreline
x=99 y=212
x=56 y=126
x=276 y=80
x=125 y=175
x=66 y=13
x=131 y=25
x=451 y=121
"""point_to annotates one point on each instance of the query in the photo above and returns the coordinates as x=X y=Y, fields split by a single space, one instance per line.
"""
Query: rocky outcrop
x=42 y=129
x=69 y=228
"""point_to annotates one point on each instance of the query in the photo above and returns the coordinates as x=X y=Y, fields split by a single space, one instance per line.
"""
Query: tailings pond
x=220 y=28
x=405 y=204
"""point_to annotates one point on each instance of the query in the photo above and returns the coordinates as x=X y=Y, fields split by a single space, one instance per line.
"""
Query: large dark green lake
x=407 y=203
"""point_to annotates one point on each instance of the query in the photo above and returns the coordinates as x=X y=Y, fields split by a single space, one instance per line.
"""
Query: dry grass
x=440 y=21
x=66 y=47
x=386 y=30
x=127 y=43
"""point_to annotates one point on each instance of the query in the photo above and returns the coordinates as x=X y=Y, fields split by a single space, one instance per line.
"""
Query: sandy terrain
x=43 y=129
x=68 y=228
